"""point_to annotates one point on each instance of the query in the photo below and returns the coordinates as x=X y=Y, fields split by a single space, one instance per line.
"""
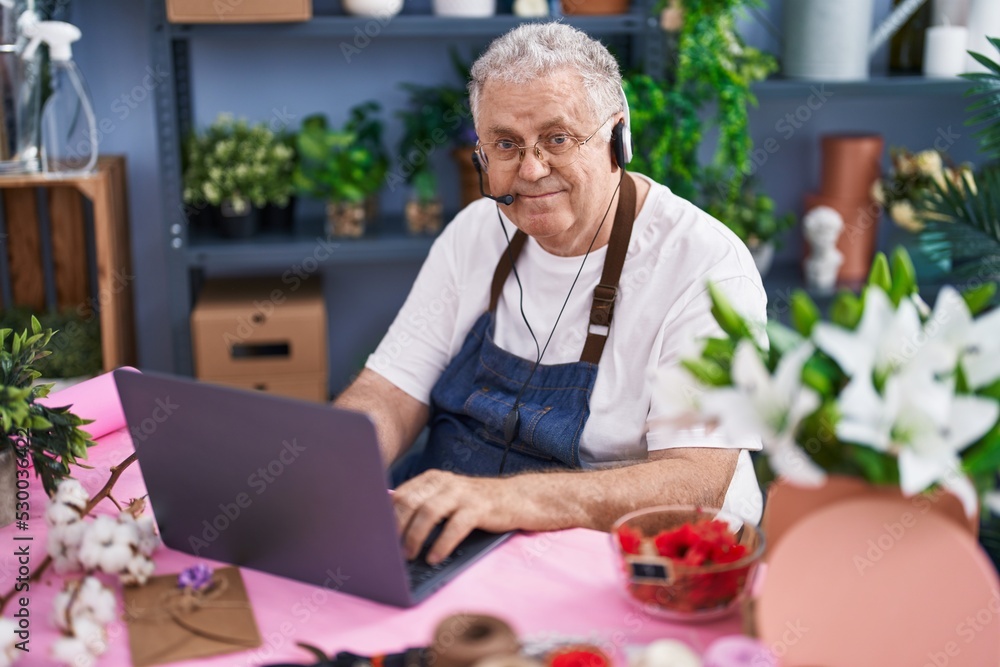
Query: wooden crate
x=105 y=189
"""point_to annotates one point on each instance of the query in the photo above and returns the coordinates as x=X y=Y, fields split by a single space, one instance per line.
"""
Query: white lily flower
x=681 y=396
x=885 y=340
x=771 y=406
x=932 y=455
x=975 y=342
x=992 y=501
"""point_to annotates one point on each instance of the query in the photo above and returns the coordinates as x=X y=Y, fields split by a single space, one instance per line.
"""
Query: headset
x=621 y=146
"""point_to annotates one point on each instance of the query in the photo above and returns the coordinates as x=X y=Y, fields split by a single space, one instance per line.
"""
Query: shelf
x=405 y=25
x=884 y=86
x=386 y=242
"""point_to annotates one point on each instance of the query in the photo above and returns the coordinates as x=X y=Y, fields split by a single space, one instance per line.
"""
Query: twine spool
x=462 y=640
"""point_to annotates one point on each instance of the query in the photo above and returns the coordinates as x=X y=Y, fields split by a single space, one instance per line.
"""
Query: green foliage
x=750 y=214
x=237 y=163
x=51 y=435
x=817 y=432
x=964 y=228
x=713 y=71
x=436 y=117
x=77 y=348
x=345 y=165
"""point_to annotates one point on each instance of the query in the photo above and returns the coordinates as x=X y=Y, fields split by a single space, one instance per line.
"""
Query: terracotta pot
x=594 y=7
x=345 y=219
x=424 y=217
x=845 y=558
x=468 y=178
x=787 y=504
x=858 y=239
x=850 y=165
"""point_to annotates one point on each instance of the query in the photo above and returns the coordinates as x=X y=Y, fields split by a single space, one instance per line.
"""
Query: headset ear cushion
x=618 y=143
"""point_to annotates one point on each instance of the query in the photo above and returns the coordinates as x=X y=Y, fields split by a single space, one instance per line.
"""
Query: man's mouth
x=544 y=195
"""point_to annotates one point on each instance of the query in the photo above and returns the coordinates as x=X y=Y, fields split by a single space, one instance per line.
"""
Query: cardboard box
x=238 y=11
x=259 y=333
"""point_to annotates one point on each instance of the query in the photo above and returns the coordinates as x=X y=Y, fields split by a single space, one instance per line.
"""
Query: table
x=544 y=584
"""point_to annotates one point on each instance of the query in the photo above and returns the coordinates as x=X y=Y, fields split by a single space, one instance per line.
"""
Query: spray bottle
x=69 y=127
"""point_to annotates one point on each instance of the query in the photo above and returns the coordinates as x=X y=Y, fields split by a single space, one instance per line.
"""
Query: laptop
x=278 y=485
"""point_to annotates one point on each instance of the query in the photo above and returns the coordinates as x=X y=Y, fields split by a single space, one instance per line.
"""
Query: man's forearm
x=397 y=416
x=595 y=499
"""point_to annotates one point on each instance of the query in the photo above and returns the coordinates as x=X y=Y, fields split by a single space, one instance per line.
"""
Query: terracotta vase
x=858 y=239
x=850 y=165
x=594 y=7
x=859 y=576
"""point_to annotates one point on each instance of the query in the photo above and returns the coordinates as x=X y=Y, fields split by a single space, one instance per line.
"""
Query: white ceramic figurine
x=822 y=228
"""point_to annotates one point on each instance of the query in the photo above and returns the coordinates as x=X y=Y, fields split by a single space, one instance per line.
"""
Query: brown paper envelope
x=224 y=625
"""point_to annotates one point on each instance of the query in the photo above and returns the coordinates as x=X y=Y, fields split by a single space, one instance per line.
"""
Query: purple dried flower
x=196 y=577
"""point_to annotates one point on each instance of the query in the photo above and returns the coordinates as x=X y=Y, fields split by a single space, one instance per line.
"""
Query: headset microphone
x=506 y=200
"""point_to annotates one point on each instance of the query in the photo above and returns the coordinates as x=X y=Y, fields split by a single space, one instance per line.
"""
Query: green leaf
x=707 y=372
x=984 y=456
x=846 y=310
x=726 y=315
x=40 y=423
x=979 y=298
x=805 y=313
x=904 y=275
x=879 y=274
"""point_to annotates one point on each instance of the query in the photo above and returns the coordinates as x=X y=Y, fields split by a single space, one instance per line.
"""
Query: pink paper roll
x=97 y=399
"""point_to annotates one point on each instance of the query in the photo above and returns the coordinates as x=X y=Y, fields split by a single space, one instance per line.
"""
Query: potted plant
x=344 y=167
x=713 y=70
x=436 y=117
x=237 y=169
x=49 y=436
x=751 y=216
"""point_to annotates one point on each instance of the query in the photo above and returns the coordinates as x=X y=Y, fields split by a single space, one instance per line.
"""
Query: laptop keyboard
x=425 y=578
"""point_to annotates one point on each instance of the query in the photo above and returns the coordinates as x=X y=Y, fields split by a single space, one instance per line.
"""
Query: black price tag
x=657 y=571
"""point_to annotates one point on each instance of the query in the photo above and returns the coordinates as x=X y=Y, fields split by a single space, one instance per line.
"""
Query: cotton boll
x=100 y=535
x=91 y=634
x=72 y=651
x=148 y=539
x=71 y=492
x=8 y=653
x=60 y=514
x=95 y=601
x=138 y=571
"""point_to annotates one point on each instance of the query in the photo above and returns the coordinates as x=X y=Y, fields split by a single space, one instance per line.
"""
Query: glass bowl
x=686 y=563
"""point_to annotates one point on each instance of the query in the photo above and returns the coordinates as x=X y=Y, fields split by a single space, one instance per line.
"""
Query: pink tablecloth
x=545 y=584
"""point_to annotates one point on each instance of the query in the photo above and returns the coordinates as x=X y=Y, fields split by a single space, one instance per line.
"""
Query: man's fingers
x=455 y=530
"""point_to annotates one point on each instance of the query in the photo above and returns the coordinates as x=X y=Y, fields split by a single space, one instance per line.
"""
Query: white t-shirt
x=661 y=313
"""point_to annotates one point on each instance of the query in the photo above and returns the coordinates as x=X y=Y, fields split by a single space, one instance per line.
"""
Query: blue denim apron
x=477 y=391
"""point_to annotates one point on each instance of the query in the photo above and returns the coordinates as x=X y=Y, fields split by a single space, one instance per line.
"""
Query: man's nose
x=532 y=167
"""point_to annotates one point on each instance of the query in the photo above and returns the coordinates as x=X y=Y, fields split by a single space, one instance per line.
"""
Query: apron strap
x=602 y=308
x=603 y=305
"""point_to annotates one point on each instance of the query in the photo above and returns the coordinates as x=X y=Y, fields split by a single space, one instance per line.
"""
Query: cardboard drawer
x=238 y=11
x=309 y=387
x=256 y=328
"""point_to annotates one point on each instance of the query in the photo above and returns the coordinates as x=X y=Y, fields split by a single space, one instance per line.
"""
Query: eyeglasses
x=556 y=150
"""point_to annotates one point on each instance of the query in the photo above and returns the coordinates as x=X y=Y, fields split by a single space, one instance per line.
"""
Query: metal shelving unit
x=190 y=253
x=879 y=86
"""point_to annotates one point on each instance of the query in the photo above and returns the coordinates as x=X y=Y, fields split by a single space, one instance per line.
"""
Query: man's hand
x=464 y=503
x=555 y=500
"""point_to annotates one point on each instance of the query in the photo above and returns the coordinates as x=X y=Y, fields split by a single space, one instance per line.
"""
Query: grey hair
x=533 y=50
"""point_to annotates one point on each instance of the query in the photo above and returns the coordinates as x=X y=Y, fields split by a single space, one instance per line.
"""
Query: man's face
x=556 y=206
